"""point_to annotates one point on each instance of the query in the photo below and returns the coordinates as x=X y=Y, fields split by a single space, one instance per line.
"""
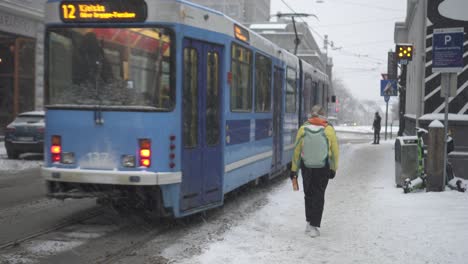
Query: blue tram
x=166 y=103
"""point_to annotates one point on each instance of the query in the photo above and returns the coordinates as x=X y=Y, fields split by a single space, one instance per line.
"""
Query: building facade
x=282 y=33
x=424 y=100
x=244 y=11
x=21 y=57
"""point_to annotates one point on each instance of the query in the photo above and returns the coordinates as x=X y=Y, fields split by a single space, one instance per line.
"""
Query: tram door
x=277 y=118
x=201 y=106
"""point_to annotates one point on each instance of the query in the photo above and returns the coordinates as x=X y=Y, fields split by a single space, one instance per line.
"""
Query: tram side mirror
x=333 y=99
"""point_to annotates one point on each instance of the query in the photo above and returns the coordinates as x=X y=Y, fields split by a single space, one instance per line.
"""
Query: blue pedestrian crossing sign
x=388 y=88
x=447 y=53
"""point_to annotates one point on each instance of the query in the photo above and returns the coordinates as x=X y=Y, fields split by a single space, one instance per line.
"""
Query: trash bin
x=406 y=159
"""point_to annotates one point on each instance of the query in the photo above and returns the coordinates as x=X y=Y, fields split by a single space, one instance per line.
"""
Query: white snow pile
x=451 y=117
x=436 y=124
x=25 y=161
x=365 y=129
x=458 y=184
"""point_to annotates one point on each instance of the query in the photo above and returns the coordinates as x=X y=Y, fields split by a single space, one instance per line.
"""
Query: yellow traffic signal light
x=404 y=52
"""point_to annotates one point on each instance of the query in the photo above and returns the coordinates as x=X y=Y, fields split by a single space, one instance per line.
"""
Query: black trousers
x=315 y=183
x=377 y=135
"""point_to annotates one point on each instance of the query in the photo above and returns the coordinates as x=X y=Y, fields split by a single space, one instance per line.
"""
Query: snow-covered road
x=366 y=220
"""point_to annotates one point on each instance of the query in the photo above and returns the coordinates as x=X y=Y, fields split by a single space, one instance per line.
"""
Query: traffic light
x=404 y=52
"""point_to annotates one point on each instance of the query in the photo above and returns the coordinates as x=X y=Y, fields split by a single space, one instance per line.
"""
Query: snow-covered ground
x=366 y=220
x=365 y=129
x=25 y=161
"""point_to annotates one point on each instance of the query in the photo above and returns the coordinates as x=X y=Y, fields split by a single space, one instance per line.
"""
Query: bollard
x=435 y=181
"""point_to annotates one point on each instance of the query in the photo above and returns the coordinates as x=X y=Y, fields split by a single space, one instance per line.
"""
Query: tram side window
x=291 y=86
x=212 y=99
x=262 y=84
x=308 y=99
x=60 y=73
x=315 y=99
x=318 y=95
x=325 y=95
x=190 y=98
x=241 y=85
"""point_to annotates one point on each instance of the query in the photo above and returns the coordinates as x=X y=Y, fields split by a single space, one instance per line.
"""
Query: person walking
x=376 y=127
x=316 y=153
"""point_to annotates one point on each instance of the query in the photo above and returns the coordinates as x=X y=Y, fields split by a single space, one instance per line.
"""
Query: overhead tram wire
x=323 y=38
x=363 y=56
x=294 y=11
x=360 y=22
x=381 y=8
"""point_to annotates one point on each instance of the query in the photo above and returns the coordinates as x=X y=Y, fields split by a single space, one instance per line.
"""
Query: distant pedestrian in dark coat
x=376 y=127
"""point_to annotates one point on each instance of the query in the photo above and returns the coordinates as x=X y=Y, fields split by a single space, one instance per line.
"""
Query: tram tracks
x=135 y=245
x=91 y=213
x=93 y=236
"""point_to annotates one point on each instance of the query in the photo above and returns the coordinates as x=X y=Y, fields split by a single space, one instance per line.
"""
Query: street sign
x=449 y=84
x=386 y=98
x=392 y=66
x=447 y=50
x=403 y=61
x=388 y=88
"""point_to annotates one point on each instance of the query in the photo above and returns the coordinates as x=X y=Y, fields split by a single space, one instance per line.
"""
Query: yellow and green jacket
x=333 y=151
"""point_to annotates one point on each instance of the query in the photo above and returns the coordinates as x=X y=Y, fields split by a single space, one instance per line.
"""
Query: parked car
x=25 y=134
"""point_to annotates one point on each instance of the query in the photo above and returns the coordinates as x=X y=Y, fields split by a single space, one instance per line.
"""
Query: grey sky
x=364 y=31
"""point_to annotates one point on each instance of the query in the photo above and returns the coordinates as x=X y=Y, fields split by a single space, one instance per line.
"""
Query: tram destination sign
x=103 y=11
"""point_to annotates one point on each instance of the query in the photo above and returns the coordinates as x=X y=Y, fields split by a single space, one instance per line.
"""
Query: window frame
x=196 y=95
x=269 y=72
x=309 y=91
x=172 y=67
x=249 y=88
x=213 y=130
x=287 y=106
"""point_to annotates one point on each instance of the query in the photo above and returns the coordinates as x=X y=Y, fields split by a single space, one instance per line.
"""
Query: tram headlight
x=128 y=161
x=68 y=157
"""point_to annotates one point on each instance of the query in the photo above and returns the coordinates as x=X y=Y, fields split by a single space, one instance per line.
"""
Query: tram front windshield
x=110 y=67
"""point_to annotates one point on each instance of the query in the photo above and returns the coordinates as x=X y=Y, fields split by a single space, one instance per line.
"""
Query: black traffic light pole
x=402 y=108
x=404 y=53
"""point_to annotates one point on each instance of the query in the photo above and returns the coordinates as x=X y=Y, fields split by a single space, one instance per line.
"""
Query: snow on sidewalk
x=26 y=161
x=366 y=220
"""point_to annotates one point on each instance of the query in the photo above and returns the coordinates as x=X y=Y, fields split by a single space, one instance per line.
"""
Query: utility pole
x=327 y=43
x=386 y=116
x=402 y=102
